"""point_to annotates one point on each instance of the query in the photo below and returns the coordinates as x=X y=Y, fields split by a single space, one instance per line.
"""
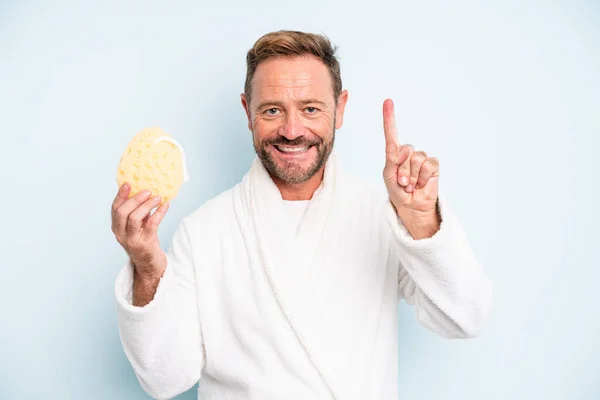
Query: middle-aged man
x=286 y=286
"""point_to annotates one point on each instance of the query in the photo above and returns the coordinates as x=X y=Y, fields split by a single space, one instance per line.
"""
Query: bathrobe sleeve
x=441 y=277
x=162 y=340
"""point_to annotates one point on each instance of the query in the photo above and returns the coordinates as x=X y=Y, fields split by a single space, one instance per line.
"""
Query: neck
x=300 y=191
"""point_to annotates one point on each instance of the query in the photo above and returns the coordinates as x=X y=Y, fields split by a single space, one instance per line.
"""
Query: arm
x=144 y=287
x=440 y=276
x=162 y=339
x=438 y=273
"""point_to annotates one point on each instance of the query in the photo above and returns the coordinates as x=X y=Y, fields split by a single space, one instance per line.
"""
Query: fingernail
x=145 y=193
x=409 y=188
x=404 y=181
x=125 y=186
x=156 y=199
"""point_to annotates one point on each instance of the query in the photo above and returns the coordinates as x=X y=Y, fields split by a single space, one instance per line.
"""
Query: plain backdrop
x=505 y=94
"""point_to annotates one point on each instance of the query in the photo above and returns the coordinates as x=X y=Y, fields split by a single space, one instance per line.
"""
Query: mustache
x=299 y=141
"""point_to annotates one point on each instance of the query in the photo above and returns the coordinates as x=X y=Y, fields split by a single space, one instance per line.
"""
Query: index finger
x=121 y=197
x=389 y=123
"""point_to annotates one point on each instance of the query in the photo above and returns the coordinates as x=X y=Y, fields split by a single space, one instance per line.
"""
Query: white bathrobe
x=256 y=305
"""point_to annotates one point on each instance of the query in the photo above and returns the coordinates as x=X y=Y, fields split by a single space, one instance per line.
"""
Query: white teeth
x=285 y=149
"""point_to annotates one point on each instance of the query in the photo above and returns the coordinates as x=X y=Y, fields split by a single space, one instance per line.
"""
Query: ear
x=246 y=106
x=341 y=106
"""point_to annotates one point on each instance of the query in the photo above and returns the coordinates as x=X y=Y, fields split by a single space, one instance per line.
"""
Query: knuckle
x=135 y=218
x=415 y=165
x=121 y=213
x=141 y=196
x=431 y=166
x=418 y=157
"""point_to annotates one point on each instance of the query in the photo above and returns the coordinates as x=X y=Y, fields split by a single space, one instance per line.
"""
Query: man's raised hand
x=411 y=177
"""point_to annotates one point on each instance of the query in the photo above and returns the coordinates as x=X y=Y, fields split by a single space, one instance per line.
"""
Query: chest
x=298 y=320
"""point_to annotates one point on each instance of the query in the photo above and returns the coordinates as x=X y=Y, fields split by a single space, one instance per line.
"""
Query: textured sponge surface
x=152 y=161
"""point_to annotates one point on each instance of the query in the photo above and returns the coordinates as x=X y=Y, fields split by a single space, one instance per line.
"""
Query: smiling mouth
x=292 y=149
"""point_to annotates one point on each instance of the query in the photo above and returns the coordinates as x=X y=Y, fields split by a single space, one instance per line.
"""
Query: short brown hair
x=286 y=43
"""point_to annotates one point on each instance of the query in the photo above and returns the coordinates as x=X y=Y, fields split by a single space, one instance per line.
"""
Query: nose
x=292 y=127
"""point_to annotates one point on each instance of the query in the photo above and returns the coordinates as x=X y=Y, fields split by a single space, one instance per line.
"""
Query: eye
x=311 y=110
x=272 y=111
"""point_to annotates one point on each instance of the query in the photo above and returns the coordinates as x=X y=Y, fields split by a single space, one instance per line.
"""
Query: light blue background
x=505 y=95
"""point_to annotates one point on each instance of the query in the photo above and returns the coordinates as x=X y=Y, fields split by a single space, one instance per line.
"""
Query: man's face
x=293 y=116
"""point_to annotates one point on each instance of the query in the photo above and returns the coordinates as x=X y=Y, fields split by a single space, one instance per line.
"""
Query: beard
x=291 y=172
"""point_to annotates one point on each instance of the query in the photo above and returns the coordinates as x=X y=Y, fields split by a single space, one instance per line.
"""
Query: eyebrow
x=280 y=104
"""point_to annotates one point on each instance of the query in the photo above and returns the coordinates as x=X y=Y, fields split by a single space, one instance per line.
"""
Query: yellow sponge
x=153 y=160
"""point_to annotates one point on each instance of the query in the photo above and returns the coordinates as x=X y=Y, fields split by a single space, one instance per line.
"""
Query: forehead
x=293 y=78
